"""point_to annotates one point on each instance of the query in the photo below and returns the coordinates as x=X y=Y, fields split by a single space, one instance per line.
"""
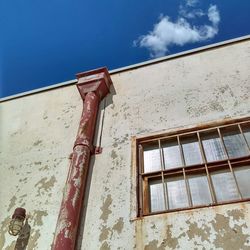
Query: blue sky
x=48 y=42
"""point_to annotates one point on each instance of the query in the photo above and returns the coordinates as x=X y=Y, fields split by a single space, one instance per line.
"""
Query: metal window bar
x=210 y=183
x=184 y=174
x=190 y=202
x=172 y=135
x=248 y=146
x=229 y=163
x=140 y=191
x=166 y=201
x=182 y=169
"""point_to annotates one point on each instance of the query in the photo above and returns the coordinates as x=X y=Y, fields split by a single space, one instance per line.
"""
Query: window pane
x=213 y=147
x=152 y=160
x=172 y=155
x=191 y=151
x=199 y=190
x=156 y=196
x=224 y=186
x=242 y=175
x=177 y=193
x=234 y=142
x=246 y=132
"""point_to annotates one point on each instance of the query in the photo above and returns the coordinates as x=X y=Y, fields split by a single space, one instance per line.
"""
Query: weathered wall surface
x=38 y=131
x=224 y=227
x=187 y=91
x=36 y=138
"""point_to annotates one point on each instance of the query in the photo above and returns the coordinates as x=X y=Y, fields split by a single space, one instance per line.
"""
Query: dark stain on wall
x=45 y=185
x=23 y=237
x=38 y=142
x=153 y=245
x=105 y=246
x=118 y=225
x=105 y=208
x=104 y=233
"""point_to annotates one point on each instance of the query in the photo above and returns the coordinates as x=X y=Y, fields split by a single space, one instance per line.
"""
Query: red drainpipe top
x=97 y=81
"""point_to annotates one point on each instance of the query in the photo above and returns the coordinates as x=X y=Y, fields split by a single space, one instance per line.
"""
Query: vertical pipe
x=68 y=218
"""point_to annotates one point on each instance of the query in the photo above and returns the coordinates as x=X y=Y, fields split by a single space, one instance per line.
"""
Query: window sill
x=187 y=209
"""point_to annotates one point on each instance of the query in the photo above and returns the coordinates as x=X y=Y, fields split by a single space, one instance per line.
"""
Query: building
x=171 y=164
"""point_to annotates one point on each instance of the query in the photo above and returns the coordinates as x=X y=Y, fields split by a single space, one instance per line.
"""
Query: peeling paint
x=38 y=142
x=11 y=246
x=104 y=233
x=113 y=154
x=195 y=231
x=105 y=246
x=105 y=208
x=37 y=217
x=46 y=167
x=45 y=184
x=224 y=231
x=3 y=231
x=228 y=237
x=153 y=245
x=12 y=203
x=119 y=225
x=237 y=214
x=170 y=240
x=33 y=241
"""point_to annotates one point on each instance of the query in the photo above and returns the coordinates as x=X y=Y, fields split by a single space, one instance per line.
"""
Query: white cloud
x=166 y=33
x=213 y=14
x=190 y=14
x=191 y=3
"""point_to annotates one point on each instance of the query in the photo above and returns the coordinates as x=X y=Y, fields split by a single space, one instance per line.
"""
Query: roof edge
x=133 y=66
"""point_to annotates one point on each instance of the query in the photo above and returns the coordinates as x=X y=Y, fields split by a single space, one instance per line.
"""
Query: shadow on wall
x=97 y=142
x=23 y=238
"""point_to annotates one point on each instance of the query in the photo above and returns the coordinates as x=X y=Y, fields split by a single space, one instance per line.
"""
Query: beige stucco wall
x=38 y=132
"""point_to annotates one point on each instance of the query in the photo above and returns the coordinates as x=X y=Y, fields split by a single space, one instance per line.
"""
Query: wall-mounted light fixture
x=17 y=222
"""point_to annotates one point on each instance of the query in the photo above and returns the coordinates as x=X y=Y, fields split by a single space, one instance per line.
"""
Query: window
x=194 y=168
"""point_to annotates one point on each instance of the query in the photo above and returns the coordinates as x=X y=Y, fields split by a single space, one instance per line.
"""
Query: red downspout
x=93 y=87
